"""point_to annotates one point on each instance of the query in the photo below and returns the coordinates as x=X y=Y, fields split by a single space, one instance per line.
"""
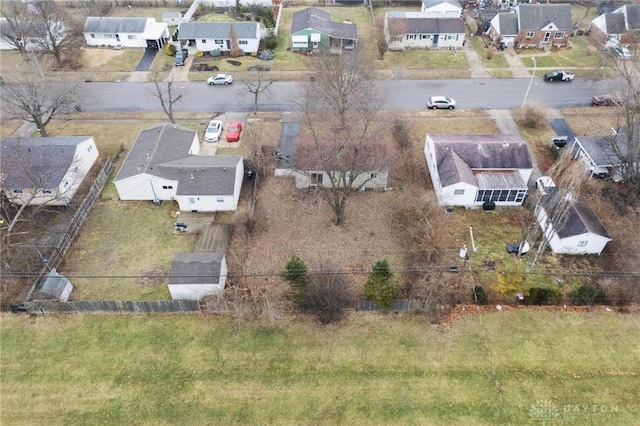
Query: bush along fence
x=56 y=257
x=43 y=307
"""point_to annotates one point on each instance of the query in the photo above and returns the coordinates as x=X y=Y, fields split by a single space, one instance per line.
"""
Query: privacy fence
x=112 y=306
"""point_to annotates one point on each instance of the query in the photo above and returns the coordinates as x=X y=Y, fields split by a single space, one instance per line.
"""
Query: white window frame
x=583 y=243
x=530 y=34
x=558 y=35
x=458 y=192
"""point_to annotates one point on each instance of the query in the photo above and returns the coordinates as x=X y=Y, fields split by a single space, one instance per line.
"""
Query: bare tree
x=18 y=25
x=93 y=7
x=257 y=87
x=234 y=48
x=53 y=25
x=328 y=293
x=380 y=37
x=167 y=94
x=31 y=98
x=340 y=110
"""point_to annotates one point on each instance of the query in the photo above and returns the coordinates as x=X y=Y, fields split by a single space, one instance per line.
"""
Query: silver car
x=441 y=102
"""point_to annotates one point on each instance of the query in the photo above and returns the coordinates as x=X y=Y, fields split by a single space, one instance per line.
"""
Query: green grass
x=371 y=369
x=578 y=56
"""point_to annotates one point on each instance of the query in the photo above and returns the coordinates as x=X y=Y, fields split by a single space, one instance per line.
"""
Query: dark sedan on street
x=558 y=76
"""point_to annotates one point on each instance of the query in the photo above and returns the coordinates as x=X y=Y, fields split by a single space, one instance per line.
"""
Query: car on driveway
x=604 y=100
x=213 y=132
x=559 y=75
x=619 y=51
x=545 y=185
x=219 y=79
x=233 y=131
x=441 y=102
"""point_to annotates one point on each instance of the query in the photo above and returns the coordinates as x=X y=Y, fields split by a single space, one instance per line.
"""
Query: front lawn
x=483 y=369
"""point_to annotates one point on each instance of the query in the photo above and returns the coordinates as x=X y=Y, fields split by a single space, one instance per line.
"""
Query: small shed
x=53 y=286
x=195 y=275
x=172 y=18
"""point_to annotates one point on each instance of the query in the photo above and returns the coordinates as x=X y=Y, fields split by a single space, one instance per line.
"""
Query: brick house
x=537 y=25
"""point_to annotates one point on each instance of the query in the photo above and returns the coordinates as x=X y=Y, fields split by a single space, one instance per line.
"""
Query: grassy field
x=371 y=369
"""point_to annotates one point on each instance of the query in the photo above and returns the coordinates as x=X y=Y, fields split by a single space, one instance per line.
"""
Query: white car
x=213 y=132
x=219 y=79
x=441 y=102
x=545 y=185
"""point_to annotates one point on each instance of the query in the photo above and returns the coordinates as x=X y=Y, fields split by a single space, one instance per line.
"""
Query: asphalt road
x=401 y=94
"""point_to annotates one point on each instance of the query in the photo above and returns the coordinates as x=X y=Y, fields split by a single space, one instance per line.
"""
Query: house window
x=425 y=36
x=108 y=36
x=241 y=42
x=167 y=186
x=582 y=243
x=92 y=35
x=220 y=199
x=530 y=34
x=218 y=41
x=66 y=184
x=316 y=178
x=17 y=191
x=89 y=148
x=131 y=36
x=46 y=191
x=397 y=39
x=203 y=41
x=373 y=176
x=458 y=192
x=347 y=175
x=411 y=36
x=504 y=195
x=558 y=35
x=452 y=37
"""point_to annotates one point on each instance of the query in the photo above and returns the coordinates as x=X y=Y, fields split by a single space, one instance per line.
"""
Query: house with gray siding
x=125 y=32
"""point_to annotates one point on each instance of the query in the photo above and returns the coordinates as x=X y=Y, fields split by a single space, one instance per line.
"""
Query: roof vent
x=191 y=177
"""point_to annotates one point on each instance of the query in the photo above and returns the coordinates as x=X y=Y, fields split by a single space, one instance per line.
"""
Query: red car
x=604 y=100
x=233 y=131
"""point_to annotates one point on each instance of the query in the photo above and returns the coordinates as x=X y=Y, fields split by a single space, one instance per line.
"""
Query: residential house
x=45 y=170
x=408 y=30
x=196 y=275
x=601 y=155
x=209 y=36
x=312 y=29
x=621 y=26
x=504 y=27
x=125 y=32
x=53 y=286
x=569 y=225
x=364 y=167
x=470 y=170
x=163 y=164
x=34 y=35
x=537 y=25
x=441 y=9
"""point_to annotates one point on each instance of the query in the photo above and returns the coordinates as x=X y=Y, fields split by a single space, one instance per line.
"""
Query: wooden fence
x=56 y=257
x=112 y=306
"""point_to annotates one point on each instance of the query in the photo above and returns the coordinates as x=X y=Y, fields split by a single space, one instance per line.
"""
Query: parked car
x=233 y=131
x=213 y=132
x=559 y=75
x=619 y=51
x=441 y=102
x=605 y=100
x=181 y=57
x=219 y=79
x=545 y=185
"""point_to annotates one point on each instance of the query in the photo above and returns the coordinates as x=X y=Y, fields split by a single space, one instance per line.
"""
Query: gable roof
x=600 y=148
x=196 y=268
x=156 y=145
x=114 y=25
x=202 y=174
x=220 y=30
x=508 y=23
x=580 y=218
x=427 y=4
x=536 y=16
x=310 y=156
x=614 y=23
x=287 y=144
x=425 y=26
x=633 y=16
x=37 y=162
x=319 y=20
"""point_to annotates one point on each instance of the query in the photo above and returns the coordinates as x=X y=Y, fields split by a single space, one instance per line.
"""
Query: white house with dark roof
x=570 y=225
x=504 y=26
x=163 y=164
x=441 y=8
x=620 y=26
x=312 y=29
x=125 y=32
x=604 y=155
x=45 y=170
x=411 y=30
x=469 y=170
x=196 y=275
x=208 y=36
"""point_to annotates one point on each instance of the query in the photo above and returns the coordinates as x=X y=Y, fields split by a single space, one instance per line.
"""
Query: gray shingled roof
x=535 y=16
x=37 y=162
x=633 y=16
x=426 y=26
x=196 y=268
x=219 y=30
x=600 y=148
x=460 y=157
x=114 y=25
x=156 y=145
x=508 y=24
x=311 y=156
x=287 y=144
x=319 y=20
x=580 y=219
x=614 y=23
x=430 y=3
x=202 y=174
